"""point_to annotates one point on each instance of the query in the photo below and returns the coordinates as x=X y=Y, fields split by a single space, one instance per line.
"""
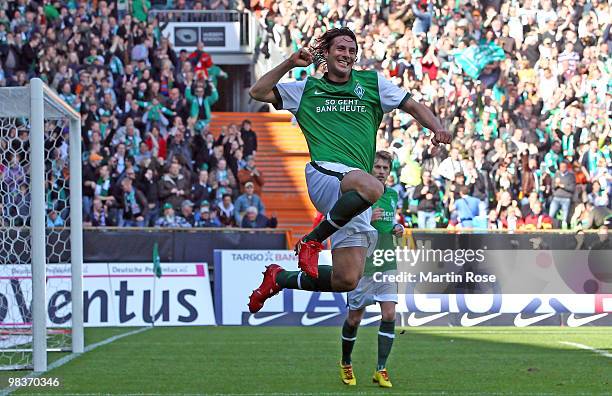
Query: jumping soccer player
x=339 y=115
x=369 y=291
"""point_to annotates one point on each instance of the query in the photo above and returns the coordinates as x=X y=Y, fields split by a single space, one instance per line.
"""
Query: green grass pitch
x=294 y=360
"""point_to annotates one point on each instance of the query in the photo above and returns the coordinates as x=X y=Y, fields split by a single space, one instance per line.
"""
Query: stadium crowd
x=149 y=156
x=523 y=86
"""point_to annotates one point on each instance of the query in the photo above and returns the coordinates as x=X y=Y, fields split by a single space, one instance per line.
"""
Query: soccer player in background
x=369 y=291
x=339 y=115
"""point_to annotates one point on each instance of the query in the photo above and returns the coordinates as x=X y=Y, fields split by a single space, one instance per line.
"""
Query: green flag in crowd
x=474 y=59
x=156 y=263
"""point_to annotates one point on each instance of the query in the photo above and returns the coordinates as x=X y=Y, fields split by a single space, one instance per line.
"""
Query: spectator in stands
x=477 y=181
x=230 y=141
x=236 y=161
x=174 y=187
x=252 y=174
x=147 y=182
x=249 y=137
x=586 y=216
x=423 y=12
x=54 y=220
x=179 y=148
x=201 y=190
x=14 y=175
x=493 y=221
x=205 y=97
x=465 y=208
x=187 y=212
x=142 y=155
x=203 y=148
x=531 y=180
x=207 y=218
x=452 y=189
x=513 y=220
x=89 y=181
x=247 y=200
x=428 y=195
x=217 y=156
x=56 y=195
x=171 y=220
x=140 y=8
x=104 y=186
x=223 y=180
x=133 y=205
x=564 y=185
x=451 y=166
x=536 y=220
x=22 y=201
x=99 y=215
x=253 y=219
x=156 y=143
x=598 y=197
x=226 y=211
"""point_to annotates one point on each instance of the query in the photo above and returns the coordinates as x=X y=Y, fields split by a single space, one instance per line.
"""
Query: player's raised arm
x=425 y=117
x=263 y=90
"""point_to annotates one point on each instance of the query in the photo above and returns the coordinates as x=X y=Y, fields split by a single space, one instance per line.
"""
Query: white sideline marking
x=66 y=359
x=588 y=348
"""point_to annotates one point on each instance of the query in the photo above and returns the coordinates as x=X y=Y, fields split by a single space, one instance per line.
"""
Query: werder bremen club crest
x=359 y=91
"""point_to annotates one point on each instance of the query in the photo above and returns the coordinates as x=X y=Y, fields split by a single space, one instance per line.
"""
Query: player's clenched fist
x=377 y=214
x=301 y=58
x=441 y=136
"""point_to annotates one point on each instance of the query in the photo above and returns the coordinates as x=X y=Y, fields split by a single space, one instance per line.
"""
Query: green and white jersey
x=340 y=120
x=388 y=202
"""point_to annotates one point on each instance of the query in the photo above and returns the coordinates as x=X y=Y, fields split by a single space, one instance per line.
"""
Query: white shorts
x=369 y=292
x=324 y=190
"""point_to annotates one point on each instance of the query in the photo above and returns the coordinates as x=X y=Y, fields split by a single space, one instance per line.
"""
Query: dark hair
x=324 y=42
x=385 y=156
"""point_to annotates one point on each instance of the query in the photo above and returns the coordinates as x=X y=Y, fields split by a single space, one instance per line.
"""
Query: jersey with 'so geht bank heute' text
x=340 y=120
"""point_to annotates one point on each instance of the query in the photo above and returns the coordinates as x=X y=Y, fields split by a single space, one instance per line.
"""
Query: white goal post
x=42 y=114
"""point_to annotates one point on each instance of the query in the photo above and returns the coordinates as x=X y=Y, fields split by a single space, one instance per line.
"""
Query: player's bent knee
x=378 y=189
x=365 y=184
x=372 y=189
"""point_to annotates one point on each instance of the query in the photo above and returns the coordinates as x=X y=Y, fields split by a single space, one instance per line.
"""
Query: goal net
x=40 y=227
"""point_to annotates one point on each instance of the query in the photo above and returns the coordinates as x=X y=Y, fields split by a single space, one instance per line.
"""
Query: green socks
x=350 y=204
x=300 y=280
x=349 y=335
x=386 y=334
